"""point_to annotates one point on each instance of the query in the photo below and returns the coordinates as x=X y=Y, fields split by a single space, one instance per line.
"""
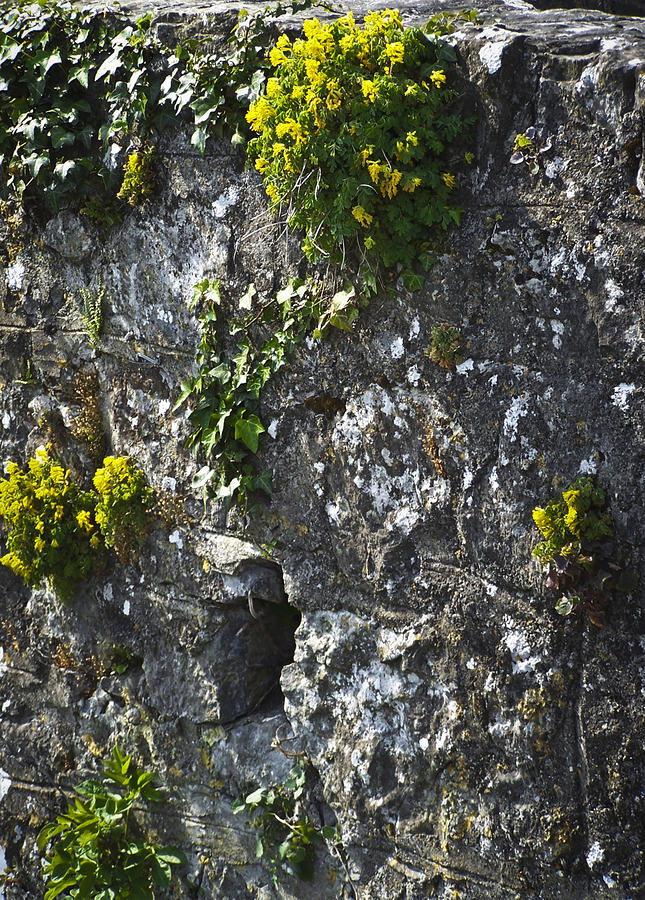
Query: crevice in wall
x=616 y=7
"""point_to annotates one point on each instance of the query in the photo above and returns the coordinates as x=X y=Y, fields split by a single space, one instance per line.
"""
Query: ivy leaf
x=110 y=65
x=248 y=431
x=63 y=169
x=198 y=140
x=246 y=300
x=61 y=137
x=262 y=482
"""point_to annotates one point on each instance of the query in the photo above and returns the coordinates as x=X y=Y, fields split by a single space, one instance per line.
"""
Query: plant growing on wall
x=286 y=837
x=96 y=848
x=445 y=345
x=53 y=530
x=352 y=132
x=59 y=532
x=77 y=87
x=579 y=550
x=124 y=501
x=139 y=177
x=235 y=360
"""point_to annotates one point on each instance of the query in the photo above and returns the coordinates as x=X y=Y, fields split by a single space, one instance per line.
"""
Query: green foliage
x=119 y=659
x=76 y=85
x=93 y=312
x=59 y=532
x=123 y=504
x=139 y=178
x=579 y=552
x=352 y=133
x=445 y=345
x=226 y=390
x=98 y=852
x=73 y=83
x=568 y=522
x=53 y=530
x=286 y=837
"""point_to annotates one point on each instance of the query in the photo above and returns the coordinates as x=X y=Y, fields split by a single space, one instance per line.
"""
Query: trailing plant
x=235 y=360
x=76 y=86
x=286 y=837
x=139 y=179
x=53 y=530
x=123 y=504
x=59 y=532
x=579 y=551
x=93 y=312
x=353 y=129
x=98 y=851
x=445 y=345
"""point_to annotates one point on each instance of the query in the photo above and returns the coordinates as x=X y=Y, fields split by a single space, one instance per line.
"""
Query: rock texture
x=469 y=742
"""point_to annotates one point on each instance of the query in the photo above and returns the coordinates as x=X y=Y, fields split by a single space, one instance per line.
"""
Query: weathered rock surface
x=470 y=743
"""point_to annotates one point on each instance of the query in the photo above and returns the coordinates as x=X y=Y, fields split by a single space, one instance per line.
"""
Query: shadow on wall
x=617 y=7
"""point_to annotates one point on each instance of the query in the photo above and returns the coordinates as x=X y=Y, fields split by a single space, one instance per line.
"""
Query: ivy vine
x=78 y=88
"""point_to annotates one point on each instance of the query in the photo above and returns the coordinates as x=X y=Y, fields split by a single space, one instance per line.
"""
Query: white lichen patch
x=5 y=784
x=517 y=410
x=517 y=643
x=621 y=394
x=396 y=348
x=6 y=421
x=225 y=201
x=465 y=367
x=491 y=55
x=3 y=662
x=15 y=274
x=558 y=330
x=595 y=854
x=350 y=677
x=176 y=538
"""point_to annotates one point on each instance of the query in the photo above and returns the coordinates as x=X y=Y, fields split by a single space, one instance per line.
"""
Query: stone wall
x=469 y=742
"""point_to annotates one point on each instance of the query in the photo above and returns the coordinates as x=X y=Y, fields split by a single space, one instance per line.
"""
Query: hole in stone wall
x=269 y=632
x=617 y=7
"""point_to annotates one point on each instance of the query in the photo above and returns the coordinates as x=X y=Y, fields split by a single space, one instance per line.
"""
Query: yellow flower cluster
x=344 y=99
x=362 y=216
x=51 y=523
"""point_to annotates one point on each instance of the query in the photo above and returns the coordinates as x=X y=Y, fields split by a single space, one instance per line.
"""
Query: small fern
x=93 y=312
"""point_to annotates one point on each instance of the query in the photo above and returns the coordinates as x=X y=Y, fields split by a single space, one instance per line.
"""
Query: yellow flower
x=362 y=216
x=258 y=115
x=365 y=155
x=370 y=90
x=395 y=52
x=311 y=27
x=277 y=57
x=261 y=164
x=391 y=178
x=83 y=519
x=438 y=78
x=39 y=544
x=411 y=138
x=374 y=169
x=411 y=184
x=94 y=541
x=449 y=180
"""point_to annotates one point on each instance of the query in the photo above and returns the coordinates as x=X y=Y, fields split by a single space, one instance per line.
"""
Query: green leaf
x=172 y=855
x=63 y=169
x=198 y=140
x=248 y=431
